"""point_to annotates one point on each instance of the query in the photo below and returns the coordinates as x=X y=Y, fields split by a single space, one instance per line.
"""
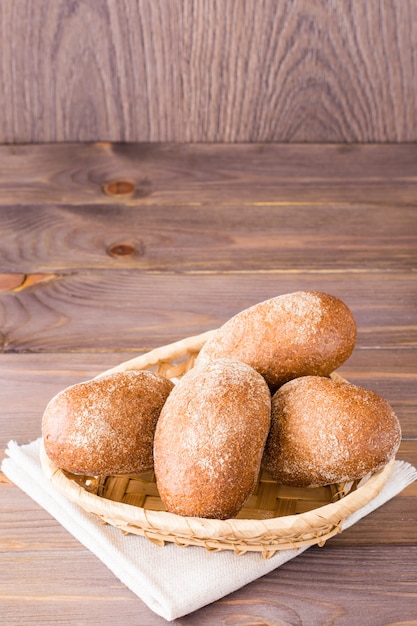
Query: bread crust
x=105 y=426
x=325 y=431
x=297 y=334
x=210 y=438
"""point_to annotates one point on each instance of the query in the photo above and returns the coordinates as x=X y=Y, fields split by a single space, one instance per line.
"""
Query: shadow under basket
x=275 y=517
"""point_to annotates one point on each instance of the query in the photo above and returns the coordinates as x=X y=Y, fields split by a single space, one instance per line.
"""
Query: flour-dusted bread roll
x=105 y=426
x=210 y=438
x=298 y=334
x=326 y=431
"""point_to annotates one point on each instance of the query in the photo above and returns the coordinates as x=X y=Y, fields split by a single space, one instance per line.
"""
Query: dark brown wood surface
x=202 y=175
x=89 y=278
x=224 y=70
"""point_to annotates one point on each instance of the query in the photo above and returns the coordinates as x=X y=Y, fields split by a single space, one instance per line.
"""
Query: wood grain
x=202 y=175
x=300 y=72
x=65 y=239
x=223 y=71
x=353 y=238
x=86 y=71
x=88 y=279
x=142 y=310
x=292 y=594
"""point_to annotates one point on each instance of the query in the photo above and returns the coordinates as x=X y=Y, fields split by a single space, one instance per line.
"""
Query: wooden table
x=109 y=250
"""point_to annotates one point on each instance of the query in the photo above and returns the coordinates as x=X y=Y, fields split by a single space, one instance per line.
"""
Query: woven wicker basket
x=274 y=518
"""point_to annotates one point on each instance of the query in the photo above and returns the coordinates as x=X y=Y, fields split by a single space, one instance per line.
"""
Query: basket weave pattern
x=275 y=517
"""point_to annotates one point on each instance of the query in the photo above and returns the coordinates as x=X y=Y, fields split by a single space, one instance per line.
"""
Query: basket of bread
x=243 y=438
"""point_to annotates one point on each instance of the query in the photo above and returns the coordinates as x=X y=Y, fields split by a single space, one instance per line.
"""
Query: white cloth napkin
x=172 y=581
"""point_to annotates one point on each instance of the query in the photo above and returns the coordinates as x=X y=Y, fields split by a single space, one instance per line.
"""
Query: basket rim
x=123 y=515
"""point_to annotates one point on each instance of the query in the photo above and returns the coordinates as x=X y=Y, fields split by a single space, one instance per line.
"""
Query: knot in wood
x=119 y=188
x=121 y=249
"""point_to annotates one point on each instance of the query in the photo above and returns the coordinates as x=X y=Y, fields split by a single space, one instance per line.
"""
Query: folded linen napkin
x=157 y=575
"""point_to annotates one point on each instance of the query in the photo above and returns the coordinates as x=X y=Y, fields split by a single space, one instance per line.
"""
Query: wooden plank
x=55 y=590
x=54 y=238
x=87 y=71
x=131 y=311
x=318 y=589
x=198 y=175
x=319 y=586
x=69 y=310
x=300 y=71
x=158 y=70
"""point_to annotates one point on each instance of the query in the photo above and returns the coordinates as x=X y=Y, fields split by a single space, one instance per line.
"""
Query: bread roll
x=210 y=438
x=105 y=426
x=297 y=334
x=325 y=431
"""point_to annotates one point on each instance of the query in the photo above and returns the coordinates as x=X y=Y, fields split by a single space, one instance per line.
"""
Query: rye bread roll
x=210 y=438
x=325 y=431
x=303 y=333
x=105 y=426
